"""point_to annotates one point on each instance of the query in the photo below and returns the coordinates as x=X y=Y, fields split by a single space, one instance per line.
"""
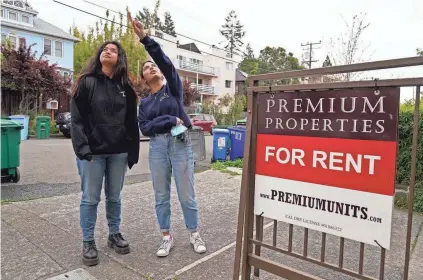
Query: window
x=3 y=38
x=2 y=13
x=199 y=118
x=229 y=66
x=18 y=4
x=58 y=50
x=207 y=118
x=228 y=84
x=196 y=61
x=13 y=16
x=25 y=18
x=180 y=57
x=66 y=75
x=47 y=46
x=22 y=42
x=12 y=39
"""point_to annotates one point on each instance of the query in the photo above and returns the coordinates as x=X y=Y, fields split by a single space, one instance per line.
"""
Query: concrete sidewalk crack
x=419 y=232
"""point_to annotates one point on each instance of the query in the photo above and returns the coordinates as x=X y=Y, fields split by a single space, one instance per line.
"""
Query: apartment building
x=213 y=75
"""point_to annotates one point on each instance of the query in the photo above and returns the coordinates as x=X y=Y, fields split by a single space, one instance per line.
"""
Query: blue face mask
x=178 y=129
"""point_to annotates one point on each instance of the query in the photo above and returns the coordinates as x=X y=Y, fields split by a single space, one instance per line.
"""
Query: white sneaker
x=166 y=246
x=197 y=242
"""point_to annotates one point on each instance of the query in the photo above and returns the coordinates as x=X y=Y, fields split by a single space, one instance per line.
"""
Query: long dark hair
x=120 y=71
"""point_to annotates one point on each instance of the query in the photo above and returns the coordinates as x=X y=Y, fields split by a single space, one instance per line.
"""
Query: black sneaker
x=89 y=253
x=117 y=242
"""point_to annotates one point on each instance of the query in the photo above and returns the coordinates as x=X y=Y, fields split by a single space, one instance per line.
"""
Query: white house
x=213 y=75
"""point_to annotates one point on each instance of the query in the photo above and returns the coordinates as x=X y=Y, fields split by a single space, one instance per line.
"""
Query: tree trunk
x=41 y=100
x=21 y=103
x=36 y=103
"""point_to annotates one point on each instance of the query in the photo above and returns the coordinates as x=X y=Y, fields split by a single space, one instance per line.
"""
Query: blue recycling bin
x=237 y=134
x=24 y=121
x=220 y=144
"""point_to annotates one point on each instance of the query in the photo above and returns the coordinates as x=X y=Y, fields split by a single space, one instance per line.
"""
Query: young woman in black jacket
x=105 y=138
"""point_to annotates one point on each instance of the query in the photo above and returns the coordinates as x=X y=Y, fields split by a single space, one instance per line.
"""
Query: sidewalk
x=41 y=239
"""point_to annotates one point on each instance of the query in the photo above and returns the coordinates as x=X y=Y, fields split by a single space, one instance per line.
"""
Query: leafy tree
x=169 y=25
x=226 y=116
x=233 y=31
x=277 y=60
x=145 y=17
x=249 y=64
x=110 y=30
x=270 y=60
x=190 y=93
x=34 y=79
x=151 y=19
x=157 y=23
x=273 y=59
x=249 y=52
x=420 y=52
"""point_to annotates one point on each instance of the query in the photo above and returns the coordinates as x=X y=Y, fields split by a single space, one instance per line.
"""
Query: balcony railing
x=195 y=67
x=204 y=89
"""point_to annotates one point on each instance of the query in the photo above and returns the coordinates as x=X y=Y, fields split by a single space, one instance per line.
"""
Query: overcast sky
x=395 y=26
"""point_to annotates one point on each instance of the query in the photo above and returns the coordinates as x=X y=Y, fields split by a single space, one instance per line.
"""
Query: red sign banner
x=326 y=160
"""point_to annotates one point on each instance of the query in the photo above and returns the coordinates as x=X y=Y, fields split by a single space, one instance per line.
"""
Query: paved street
x=41 y=239
x=48 y=168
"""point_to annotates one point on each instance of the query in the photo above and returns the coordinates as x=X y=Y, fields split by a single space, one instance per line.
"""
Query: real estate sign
x=326 y=160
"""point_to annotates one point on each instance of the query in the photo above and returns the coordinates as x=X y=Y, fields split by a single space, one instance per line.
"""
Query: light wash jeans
x=112 y=169
x=169 y=154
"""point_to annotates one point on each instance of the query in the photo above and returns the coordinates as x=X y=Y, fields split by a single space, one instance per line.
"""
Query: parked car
x=205 y=121
x=63 y=123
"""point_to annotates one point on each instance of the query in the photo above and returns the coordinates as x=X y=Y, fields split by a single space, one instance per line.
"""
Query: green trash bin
x=10 y=150
x=42 y=127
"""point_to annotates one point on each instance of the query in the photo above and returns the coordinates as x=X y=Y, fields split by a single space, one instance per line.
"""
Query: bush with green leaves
x=405 y=138
x=234 y=104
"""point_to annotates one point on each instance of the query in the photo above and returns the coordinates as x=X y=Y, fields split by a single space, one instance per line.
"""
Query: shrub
x=235 y=107
x=405 y=136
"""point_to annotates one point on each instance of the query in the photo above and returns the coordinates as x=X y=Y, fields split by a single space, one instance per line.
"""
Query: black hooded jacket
x=104 y=119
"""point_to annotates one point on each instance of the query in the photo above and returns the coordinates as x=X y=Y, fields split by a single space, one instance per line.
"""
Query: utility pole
x=309 y=60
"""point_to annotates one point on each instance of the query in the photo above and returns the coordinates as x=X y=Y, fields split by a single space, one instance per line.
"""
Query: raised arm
x=79 y=106
x=165 y=65
x=162 y=61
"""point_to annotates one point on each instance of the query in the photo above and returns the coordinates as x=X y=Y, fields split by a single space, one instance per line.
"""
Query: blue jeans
x=169 y=154
x=112 y=169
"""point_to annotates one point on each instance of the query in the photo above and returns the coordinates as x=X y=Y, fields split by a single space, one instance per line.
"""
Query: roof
x=20 y=5
x=42 y=27
x=190 y=47
x=240 y=76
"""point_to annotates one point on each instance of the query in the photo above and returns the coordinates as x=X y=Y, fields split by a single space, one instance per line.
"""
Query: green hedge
x=405 y=135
